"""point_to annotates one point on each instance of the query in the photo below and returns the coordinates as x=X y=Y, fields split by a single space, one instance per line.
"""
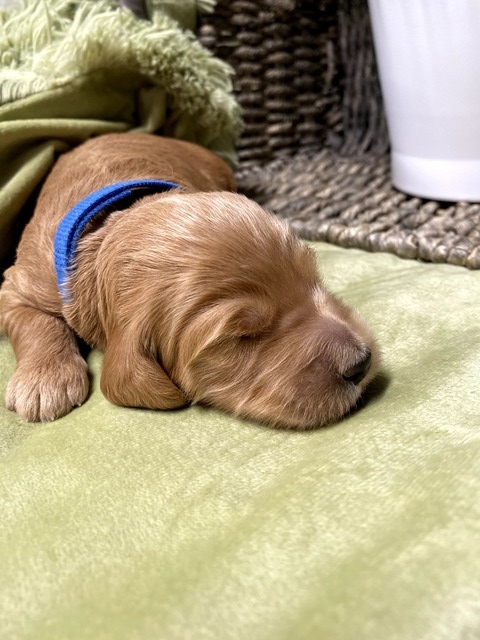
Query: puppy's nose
x=357 y=373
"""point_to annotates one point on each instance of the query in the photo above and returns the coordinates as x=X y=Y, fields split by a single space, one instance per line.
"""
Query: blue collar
x=73 y=224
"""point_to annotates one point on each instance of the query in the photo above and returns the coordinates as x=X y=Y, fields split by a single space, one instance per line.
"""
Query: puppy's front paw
x=47 y=390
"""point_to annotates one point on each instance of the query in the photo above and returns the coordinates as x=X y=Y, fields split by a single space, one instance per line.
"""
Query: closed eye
x=252 y=337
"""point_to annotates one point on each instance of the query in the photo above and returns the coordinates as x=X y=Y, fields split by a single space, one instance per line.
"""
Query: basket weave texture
x=314 y=149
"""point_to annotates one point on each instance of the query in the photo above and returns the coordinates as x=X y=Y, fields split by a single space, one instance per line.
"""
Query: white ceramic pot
x=428 y=56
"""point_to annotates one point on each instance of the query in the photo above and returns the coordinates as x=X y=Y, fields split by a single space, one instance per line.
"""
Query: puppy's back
x=101 y=161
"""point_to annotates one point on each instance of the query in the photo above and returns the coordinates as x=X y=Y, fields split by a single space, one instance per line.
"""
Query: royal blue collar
x=73 y=224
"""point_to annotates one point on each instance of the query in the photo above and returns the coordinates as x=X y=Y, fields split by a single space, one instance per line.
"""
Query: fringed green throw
x=72 y=70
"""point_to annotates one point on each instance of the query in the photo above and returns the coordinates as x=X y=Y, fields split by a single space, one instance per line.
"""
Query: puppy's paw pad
x=41 y=392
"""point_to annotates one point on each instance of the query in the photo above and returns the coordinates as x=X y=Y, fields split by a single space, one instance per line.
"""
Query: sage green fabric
x=70 y=70
x=135 y=525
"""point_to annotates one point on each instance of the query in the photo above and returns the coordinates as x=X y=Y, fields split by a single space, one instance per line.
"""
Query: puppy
x=195 y=294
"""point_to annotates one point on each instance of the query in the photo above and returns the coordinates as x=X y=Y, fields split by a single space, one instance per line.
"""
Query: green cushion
x=126 y=524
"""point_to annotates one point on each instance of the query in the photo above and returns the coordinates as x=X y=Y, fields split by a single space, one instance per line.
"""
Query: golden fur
x=194 y=295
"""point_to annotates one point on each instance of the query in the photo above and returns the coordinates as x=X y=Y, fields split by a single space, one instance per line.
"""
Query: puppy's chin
x=301 y=370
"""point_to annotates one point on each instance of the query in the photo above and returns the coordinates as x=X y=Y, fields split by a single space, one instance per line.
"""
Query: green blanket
x=73 y=69
x=124 y=524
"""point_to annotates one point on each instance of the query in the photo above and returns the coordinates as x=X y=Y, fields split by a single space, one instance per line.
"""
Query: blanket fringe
x=45 y=45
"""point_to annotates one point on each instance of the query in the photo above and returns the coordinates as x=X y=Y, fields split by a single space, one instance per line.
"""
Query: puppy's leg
x=51 y=376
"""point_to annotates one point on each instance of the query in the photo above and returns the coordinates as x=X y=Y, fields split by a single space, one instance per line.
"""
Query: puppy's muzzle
x=359 y=370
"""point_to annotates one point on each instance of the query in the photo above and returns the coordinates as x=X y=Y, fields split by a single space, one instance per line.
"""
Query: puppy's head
x=240 y=317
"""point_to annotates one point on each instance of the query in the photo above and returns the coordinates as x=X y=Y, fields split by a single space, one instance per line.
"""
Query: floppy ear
x=133 y=378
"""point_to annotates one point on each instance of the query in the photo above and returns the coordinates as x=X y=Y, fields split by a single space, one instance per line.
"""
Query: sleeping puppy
x=194 y=294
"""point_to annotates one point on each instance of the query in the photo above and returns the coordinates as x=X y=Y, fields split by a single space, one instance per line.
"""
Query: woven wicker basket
x=314 y=148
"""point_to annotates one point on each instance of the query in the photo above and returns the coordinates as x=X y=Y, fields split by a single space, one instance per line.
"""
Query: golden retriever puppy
x=194 y=294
